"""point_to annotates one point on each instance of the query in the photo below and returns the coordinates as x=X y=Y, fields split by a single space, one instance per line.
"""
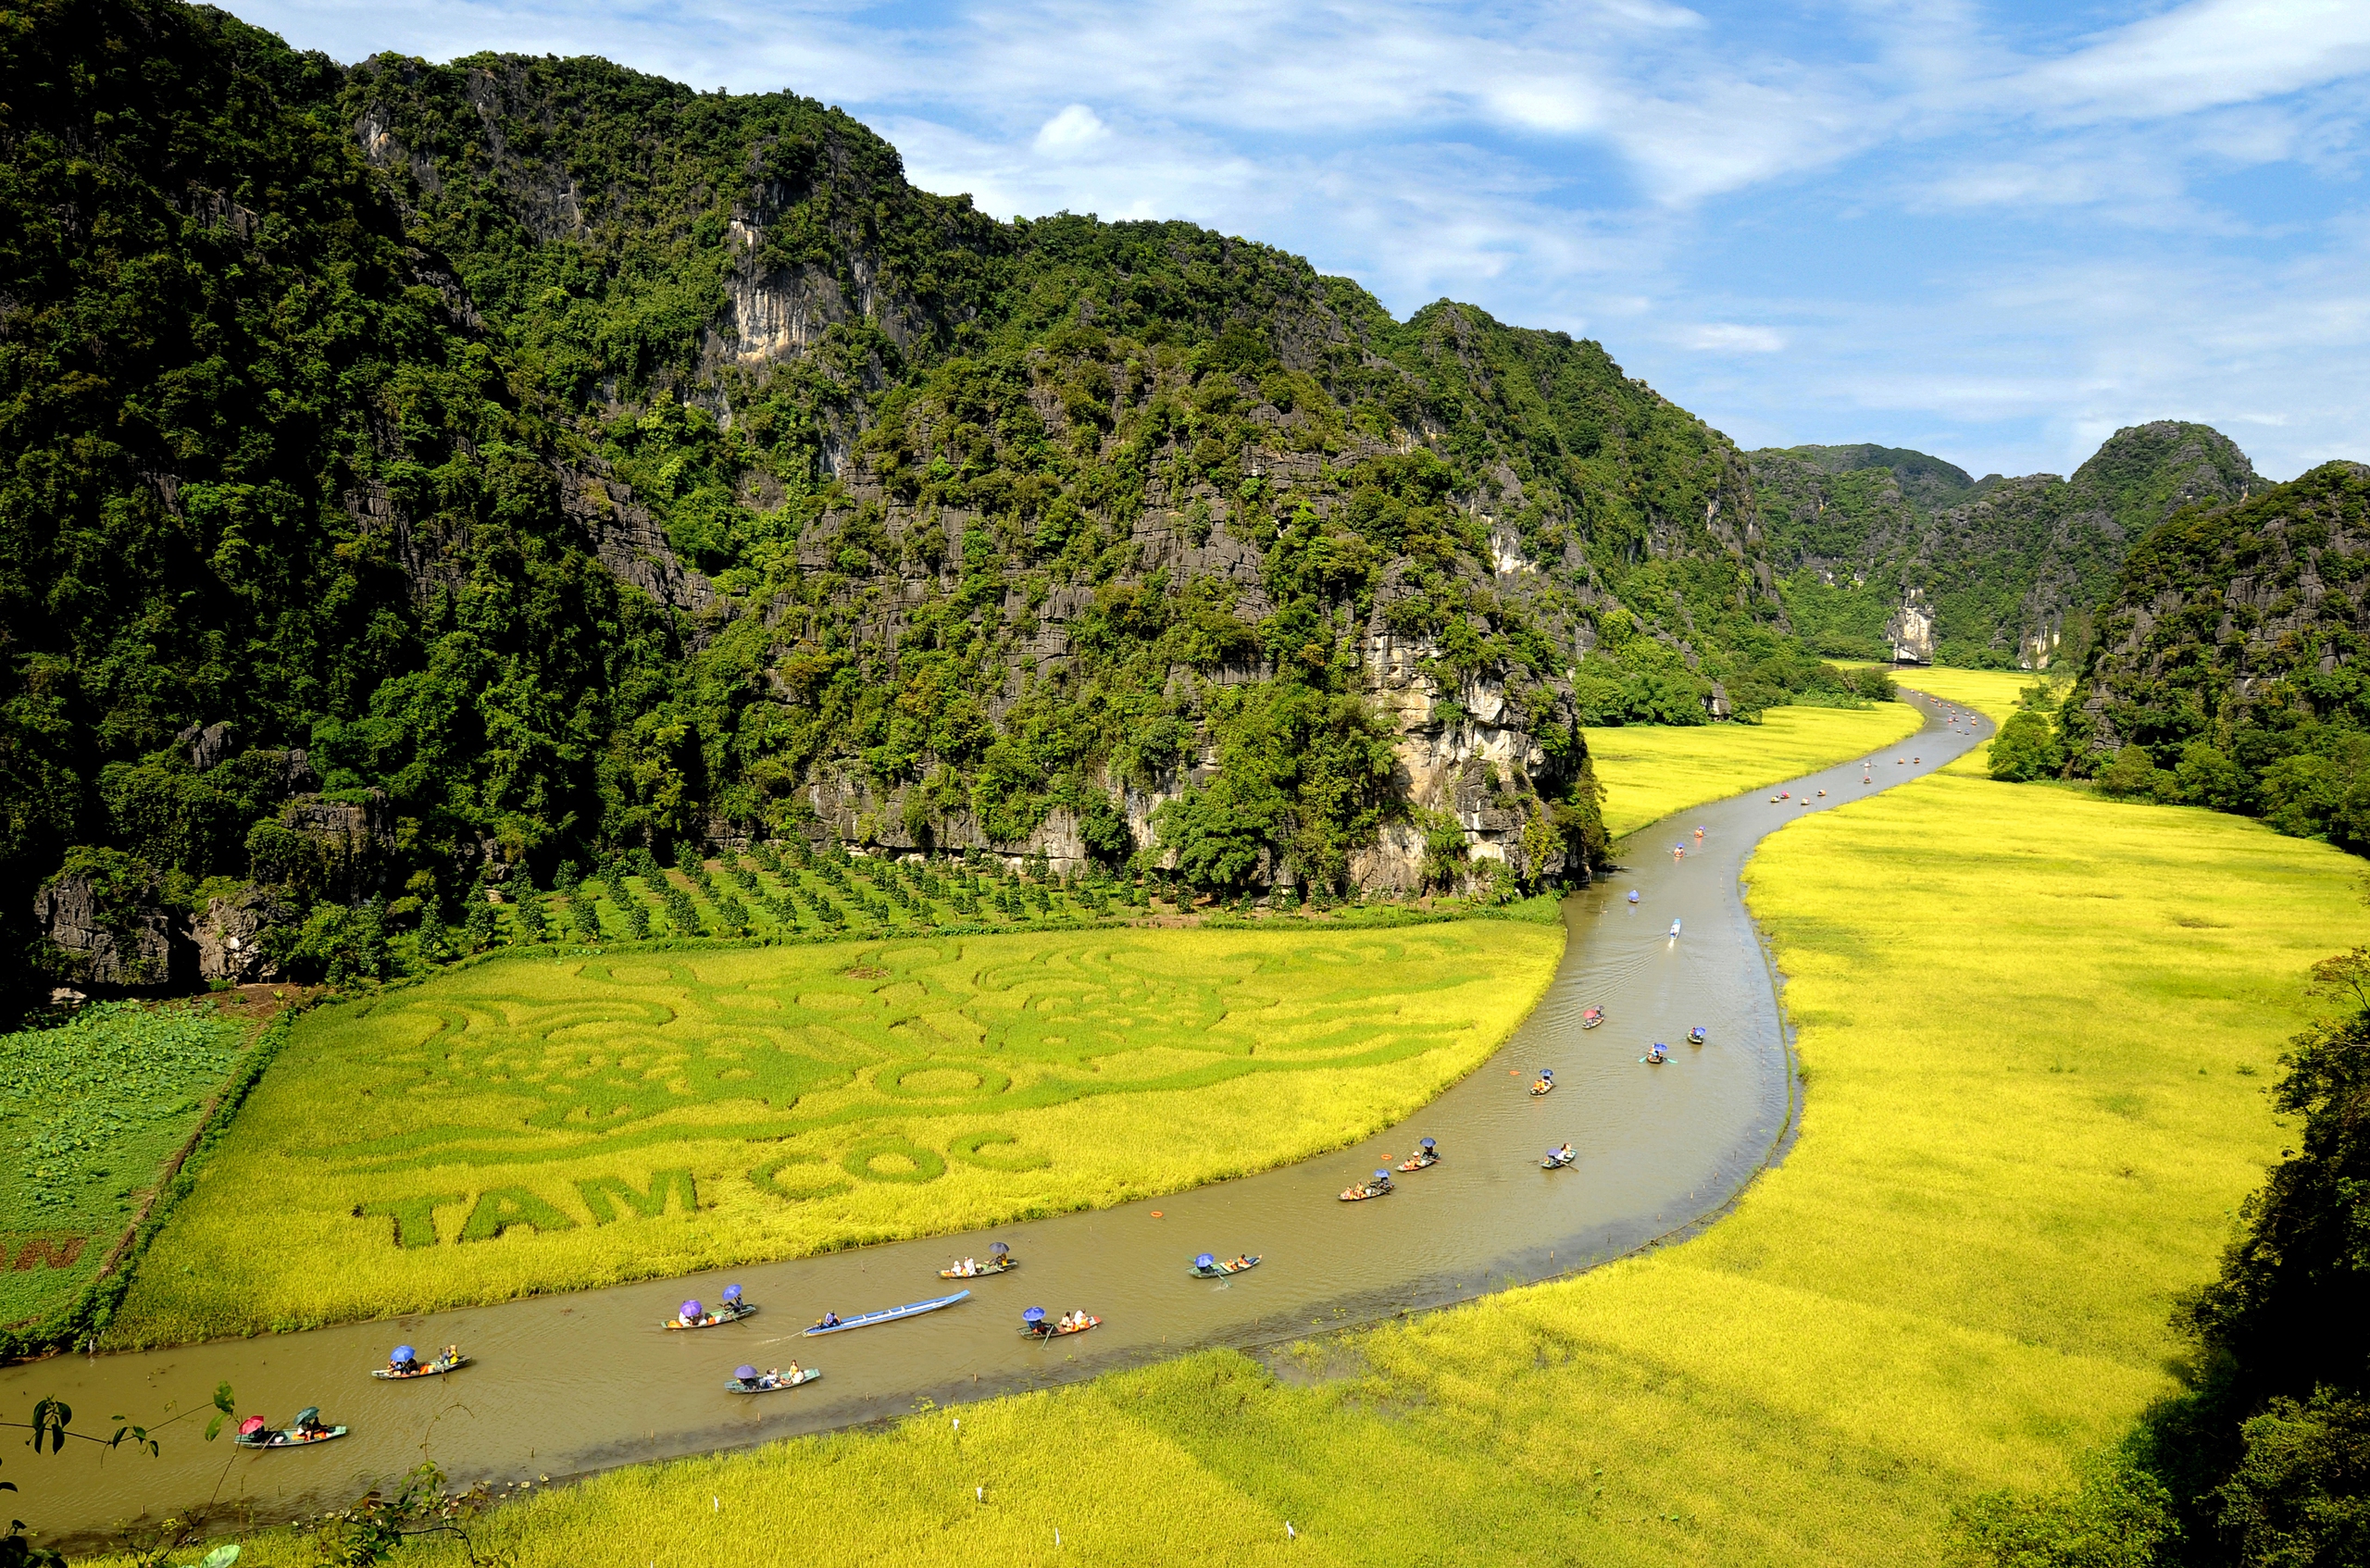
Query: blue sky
x=1994 y=232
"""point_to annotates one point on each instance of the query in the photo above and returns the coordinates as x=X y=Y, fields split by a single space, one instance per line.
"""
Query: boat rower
x=829 y=1320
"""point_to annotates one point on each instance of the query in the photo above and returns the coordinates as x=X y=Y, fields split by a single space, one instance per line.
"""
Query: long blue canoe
x=889 y=1314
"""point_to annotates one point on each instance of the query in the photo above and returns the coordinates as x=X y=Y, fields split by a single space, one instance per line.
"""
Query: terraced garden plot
x=90 y=1111
x=537 y=1123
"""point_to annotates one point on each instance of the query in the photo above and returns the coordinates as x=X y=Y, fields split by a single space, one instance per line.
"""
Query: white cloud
x=1074 y=130
x=1723 y=337
x=2206 y=53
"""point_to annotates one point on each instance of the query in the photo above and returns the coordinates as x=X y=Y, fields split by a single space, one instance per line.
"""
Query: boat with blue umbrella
x=1426 y=1153
x=404 y=1363
x=1557 y=1158
x=1378 y=1185
x=832 y=1323
x=1033 y=1324
x=1207 y=1266
x=1697 y=1036
x=692 y=1315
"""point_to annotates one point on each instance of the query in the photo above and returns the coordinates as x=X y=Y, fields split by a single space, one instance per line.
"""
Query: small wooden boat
x=1208 y=1268
x=1543 y=1085
x=1592 y=1017
x=1674 y=928
x=887 y=1315
x=253 y=1434
x=436 y=1368
x=999 y=1259
x=1425 y=1157
x=1000 y=1267
x=768 y=1383
x=691 y=1316
x=1033 y=1324
x=1656 y=1057
x=1379 y=1186
x=1696 y=1035
x=1557 y=1159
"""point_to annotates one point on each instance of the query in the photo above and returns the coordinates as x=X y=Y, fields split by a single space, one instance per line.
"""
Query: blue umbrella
x=732 y=1292
x=1205 y=1261
x=1033 y=1316
x=1546 y=1072
x=403 y=1352
x=1633 y=895
x=1555 y=1154
x=1428 y=1144
x=690 y=1309
x=999 y=1248
x=746 y=1374
x=1382 y=1176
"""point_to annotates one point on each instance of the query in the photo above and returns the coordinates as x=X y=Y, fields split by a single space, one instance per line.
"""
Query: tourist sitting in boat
x=404 y=1361
x=749 y=1378
x=967 y=1268
x=796 y=1375
x=1241 y=1260
x=308 y=1424
x=1565 y=1153
x=829 y=1320
x=1658 y=1053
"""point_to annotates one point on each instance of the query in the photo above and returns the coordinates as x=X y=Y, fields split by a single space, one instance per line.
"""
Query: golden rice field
x=536 y=1124
x=2037 y=1029
x=1649 y=771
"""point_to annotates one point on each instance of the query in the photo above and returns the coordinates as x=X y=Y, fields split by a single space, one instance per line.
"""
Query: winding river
x=568 y=1385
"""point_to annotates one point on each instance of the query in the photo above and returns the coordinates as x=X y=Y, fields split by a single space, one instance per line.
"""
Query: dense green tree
x=2026 y=750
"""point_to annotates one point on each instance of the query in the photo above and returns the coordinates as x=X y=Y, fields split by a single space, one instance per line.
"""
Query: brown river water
x=568 y=1385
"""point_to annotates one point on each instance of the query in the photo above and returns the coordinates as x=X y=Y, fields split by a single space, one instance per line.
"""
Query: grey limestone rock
x=126 y=947
x=230 y=935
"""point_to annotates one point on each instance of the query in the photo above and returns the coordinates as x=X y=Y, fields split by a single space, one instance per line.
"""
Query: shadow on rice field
x=2037 y=1029
x=539 y=1123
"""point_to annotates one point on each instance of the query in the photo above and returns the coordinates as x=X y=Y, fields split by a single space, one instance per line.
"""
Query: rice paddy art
x=534 y=1124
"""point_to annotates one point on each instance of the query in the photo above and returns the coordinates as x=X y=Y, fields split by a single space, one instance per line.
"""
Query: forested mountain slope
x=2007 y=570
x=416 y=473
x=2229 y=664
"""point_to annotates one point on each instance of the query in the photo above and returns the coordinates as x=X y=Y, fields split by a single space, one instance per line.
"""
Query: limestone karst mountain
x=560 y=459
x=1870 y=543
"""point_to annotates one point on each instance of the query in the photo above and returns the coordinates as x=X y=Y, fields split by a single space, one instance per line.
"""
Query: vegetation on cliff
x=2009 y=569
x=2228 y=670
x=421 y=472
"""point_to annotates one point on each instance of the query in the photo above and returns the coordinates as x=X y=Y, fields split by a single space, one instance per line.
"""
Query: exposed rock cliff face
x=230 y=936
x=120 y=940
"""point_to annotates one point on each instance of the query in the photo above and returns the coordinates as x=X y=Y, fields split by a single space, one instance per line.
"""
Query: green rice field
x=2037 y=1029
x=1649 y=771
x=539 y=1123
x=90 y=1113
